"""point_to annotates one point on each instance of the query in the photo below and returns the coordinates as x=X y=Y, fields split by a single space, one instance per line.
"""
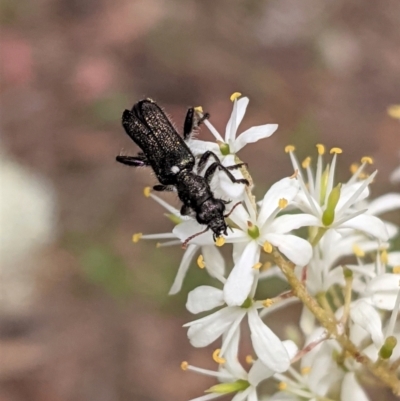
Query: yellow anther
x=158 y=245
x=358 y=251
x=295 y=174
x=338 y=151
x=396 y=269
x=268 y=302
x=136 y=237
x=257 y=266
x=220 y=241
x=367 y=160
x=249 y=359
x=282 y=203
x=320 y=148
x=384 y=257
x=217 y=358
x=234 y=96
x=354 y=167
x=184 y=365
x=198 y=109
x=306 y=162
x=394 y=111
x=282 y=386
x=289 y=148
x=306 y=370
x=147 y=191
x=266 y=266
x=200 y=262
x=267 y=247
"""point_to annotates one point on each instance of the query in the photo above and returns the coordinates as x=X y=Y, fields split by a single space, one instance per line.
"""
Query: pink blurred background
x=84 y=312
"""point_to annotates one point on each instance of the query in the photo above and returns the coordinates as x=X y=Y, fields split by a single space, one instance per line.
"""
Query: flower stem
x=332 y=326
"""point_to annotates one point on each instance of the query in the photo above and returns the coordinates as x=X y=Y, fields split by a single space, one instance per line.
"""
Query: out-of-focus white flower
x=226 y=321
x=227 y=147
x=27 y=216
x=234 y=379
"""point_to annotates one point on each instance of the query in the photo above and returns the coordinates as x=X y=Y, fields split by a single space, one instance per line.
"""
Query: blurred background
x=84 y=312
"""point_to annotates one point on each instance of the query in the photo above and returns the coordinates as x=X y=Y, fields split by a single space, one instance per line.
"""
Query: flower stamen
x=235 y=96
x=147 y=191
x=200 y=262
x=136 y=237
x=217 y=358
x=267 y=247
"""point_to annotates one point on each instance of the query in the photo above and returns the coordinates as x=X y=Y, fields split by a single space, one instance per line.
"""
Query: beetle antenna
x=237 y=204
x=185 y=243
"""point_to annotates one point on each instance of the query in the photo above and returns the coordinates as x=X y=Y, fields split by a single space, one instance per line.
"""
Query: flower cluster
x=321 y=237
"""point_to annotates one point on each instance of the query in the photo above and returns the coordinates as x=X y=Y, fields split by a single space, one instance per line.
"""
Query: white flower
x=226 y=148
x=234 y=378
x=256 y=232
x=226 y=321
x=330 y=207
x=212 y=259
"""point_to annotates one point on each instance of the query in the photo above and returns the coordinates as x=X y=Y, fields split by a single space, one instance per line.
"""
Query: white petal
x=240 y=217
x=240 y=280
x=325 y=374
x=369 y=319
x=199 y=147
x=307 y=204
x=206 y=397
x=231 y=190
x=351 y=389
x=348 y=191
x=183 y=268
x=392 y=229
x=230 y=355
x=296 y=249
x=384 y=203
x=268 y=347
x=289 y=222
x=394 y=259
x=238 y=249
x=368 y=224
x=252 y=395
x=307 y=321
x=259 y=372
x=214 y=261
x=206 y=330
x=254 y=134
x=204 y=298
x=239 y=109
x=395 y=176
x=187 y=228
x=236 y=236
x=286 y=188
x=383 y=290
x=242 y=395
x=291 y=348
